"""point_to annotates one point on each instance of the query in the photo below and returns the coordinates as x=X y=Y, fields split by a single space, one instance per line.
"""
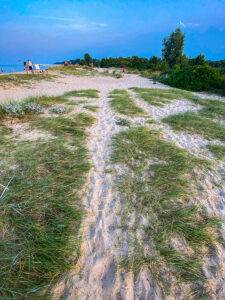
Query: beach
x=98 y=273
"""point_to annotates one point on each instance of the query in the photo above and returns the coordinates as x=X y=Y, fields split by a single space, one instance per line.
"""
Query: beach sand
x=97 y=274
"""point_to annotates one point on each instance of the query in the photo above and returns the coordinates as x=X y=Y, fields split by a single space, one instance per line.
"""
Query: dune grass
x=122 y=103
x=48 y=101
x=218 y=151
x=74 y=70
x=157 y=185
x=41 y=211
x=84 y=71
x=82 y=93
x=160 y=97
x=214 y=109
x=195 y=123
x=18 y=79
x=92 y=108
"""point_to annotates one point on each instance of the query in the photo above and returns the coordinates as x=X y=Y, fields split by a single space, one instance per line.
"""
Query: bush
x=118 y=75
x=194 y=78
x=122 y=122
x=58 y=110
x=15 y=110
x=19 y=110
x=32 y=108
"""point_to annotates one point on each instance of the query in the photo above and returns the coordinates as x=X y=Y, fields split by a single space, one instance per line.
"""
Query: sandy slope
x=97 y=275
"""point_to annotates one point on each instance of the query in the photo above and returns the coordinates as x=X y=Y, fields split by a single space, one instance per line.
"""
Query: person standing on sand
x=30 y=65
x=123 y=70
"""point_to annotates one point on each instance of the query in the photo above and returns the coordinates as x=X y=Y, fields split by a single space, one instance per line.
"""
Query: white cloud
x=193 y=24
x=182 y=24
x=82 y=26
x=55 y=18
x=73 y=25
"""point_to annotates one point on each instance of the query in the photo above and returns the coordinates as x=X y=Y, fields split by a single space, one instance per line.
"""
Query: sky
x=47 y=31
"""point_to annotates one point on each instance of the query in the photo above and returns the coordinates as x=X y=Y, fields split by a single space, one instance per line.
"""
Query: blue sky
x=53 y=30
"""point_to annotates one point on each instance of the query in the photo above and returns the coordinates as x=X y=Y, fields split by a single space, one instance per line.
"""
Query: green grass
x=151 y=121
x=160 y=97
x=79 y=71
x=18 y=79
x=195 y=123
x=41 y=212
x=72 y=70
x=83 y=93
x=122 y=103
x=213 y=109
x=157 y=185
x=92 y=108
x=47 y=101
x=218 y=151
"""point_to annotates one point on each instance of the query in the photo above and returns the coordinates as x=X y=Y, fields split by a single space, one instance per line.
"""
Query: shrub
x=118 y=75
x=15 y=110
x=58 y=110
x=122 y=122
x=195 y=78
x=32 y=108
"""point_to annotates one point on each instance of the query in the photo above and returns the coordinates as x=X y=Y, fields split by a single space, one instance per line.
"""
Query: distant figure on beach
x=2 y=70
x=123 y=70
x=37 y=68
x=65 y=63
x=25 y=67
x=30 y=65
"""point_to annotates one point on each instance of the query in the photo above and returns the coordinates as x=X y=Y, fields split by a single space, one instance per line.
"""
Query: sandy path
x=97 y=275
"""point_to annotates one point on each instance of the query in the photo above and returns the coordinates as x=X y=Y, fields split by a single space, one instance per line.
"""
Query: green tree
x=198 y=61
x=173 y=48
x=88 y=59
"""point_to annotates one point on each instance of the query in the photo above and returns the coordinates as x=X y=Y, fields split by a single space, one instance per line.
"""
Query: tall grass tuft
x=122 y=103
x=160 y=97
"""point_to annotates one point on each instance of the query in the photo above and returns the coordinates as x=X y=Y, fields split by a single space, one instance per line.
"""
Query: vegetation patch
x=213 y=109
x=151 y=121
x=122 y=122
x=123 y=103
x=58 y=110
x=47 y=101
x=92 y=108
x=19 y=110
x=157 y=185
x=83 y=93
x=160 y=97
x=18 y=79
x=195 y=78
x=195 y=123
x=79 y=71
x=40 y=205
x=217 y=150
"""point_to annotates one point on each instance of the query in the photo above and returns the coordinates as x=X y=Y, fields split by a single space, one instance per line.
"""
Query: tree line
x=172 y=58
